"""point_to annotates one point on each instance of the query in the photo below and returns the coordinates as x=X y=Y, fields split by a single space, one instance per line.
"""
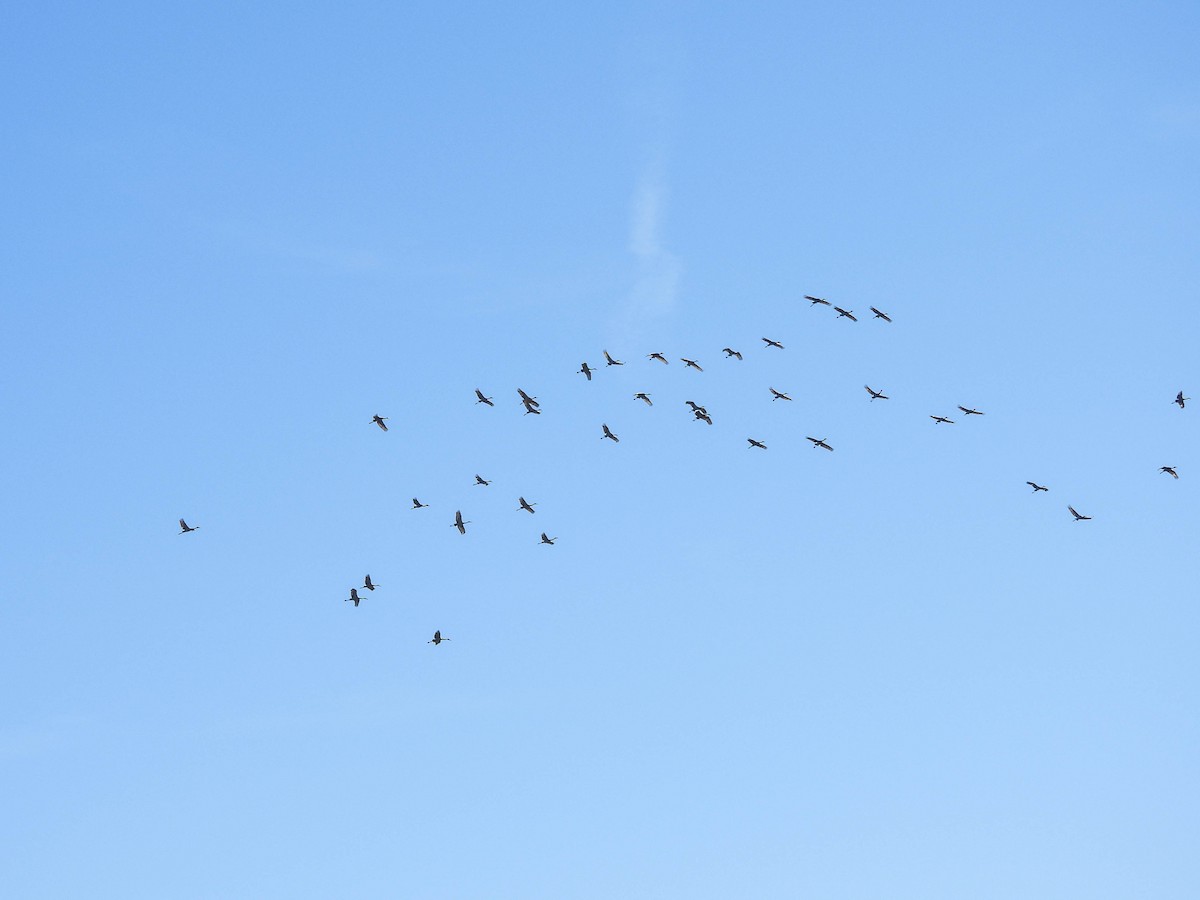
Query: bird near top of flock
x=354 y=597
x=644 y=397
x=437 y=638
x=547 y=540
x=185 y=528
x=459 y=523
x=881 y=315
x=819 y=442
x=1037 y=487
x=379 y=420
x=845 y=314
x=479 y=479
x=483 y=399
x=970 y=412
x=525 y=505
x=938 y=420
x=816 y=300
x=770 y=343
x=662 y=359
x=690 y=364
x=1169 y=470
x=1079 y=517
x=759 y=444
x=730 y=353
x=369 y=584
x=875 y=395
x=608 y=434
x=584 y=370
x=778 y=395
x=528 y=400
x=417 y=504
x=1179 y=398
x=609 y=361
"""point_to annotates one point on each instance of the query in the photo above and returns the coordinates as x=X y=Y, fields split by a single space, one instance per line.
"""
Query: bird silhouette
x=881 y=315
x=354 y=596
x=770 y=343
x=1036 y=487
x=690 y=364
x=696 y=408
x=481 y=480
x=1170 y=470
x=643 y=397
x=759 y=444
x=459 y=523
x=609 y=361
x=417 y=504
x=662 y=359
x=819 y=442
x=584 y=370
x=875 y=395
x=970 y=412
x=938 y=420
x=702 y=416
x=1179 y=398
x=186 y=528
x=379 y=420
x=729 y=353
x=816 y=300
x=1079 y=517
x=437 y=638
x=532 y=408
x=778 y=395
x=527 y=400
x=526 y=505
x=369 y=584
x=608 y=434
x=548 y=540
x=483 y=399
x=845 y=314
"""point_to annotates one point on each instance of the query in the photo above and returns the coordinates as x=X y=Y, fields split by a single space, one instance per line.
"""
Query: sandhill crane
x=526 y=505
x=696 y=408
x=481 y=480
x=770 y=343
x=437 y=639
x=353 y=597
x=483 y=399
x=759 y=444
x=729 y=352
x=662 y=359
x=532 y=408
x=819 y=442
x=1079 y=517
x=644 y=397
x=881 y=315
x=584 y=370
x=379 y=420
x=186 y=528
x=608 y=434
x=1170 y=470
x=459 y=523
x=845 y=314
x=816 y=300
x=417 y=504
x=369 y=584
x=702 y=416
x=970 y=412
x=1036 y=487
x=778 y=395
x=1179 y=398
x=875 y=395
x=690 y=364
x=548 y=540
x=609 y=361
x=527 y=400
x=938 y=420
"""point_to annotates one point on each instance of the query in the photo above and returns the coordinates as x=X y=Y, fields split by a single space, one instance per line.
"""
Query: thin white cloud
x=658 y=271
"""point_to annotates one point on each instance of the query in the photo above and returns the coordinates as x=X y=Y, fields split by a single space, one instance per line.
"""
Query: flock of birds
x=533 y=407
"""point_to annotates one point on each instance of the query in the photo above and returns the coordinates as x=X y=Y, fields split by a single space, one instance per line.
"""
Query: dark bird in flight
x=690 y=364
x=759 y=444
x=526 y=505
x=1036 y=487
x=938 y=420
x=730 y=352
x=437 y=639
x=881 y=315
x=644 y=397
x=970 y=412
x=379 y=420
x=354 y=596
x=584 y=370
x=527 y=400
x=369 y=584
x=483 y=399
x=548 y=540
x=608 y=434
x=1170 y=470
x=417 y=504
x=702 y=416
x=609 y=361
x=770 y=343
x=1179 y=398
x=816 y=300
x=778 y=395
x=819 y=442
x=186 y=528
x=459 y=523
x=875 y=395
x=696 y=408
x=483 y=481
x=1078 y=516
x=845 y=314
x=662 y=359
x=532 y=408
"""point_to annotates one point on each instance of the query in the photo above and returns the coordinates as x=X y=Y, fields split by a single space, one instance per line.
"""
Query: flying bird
x=483 y=481
x=846 y=314
x=417 y=504
x=875 y=395
x=585 y=371
x=459 y=523
x=1036 y=487
x=437 y=639
x=527 y=400
x=970 y=412
x=548 y=540
x=770 y=343
x=609 y=361
x=938 y=420
x=354 y=596
x=778 y=395
x=819 y=442
x=1179 y=398
x=483 y=399
x=730 y=352
x=379 y=420
x=1170 y=470
x=608 y=434
x=643 y=397
x=690 y=364
x=816 y=300
x=696 y=408
x=532 y=408
x=881 y=315
x=662 y=359
x=369 y=584
x=759 y=444
x=186 y=528
x=1078 y=516
x=702 y=416
x=526 y=505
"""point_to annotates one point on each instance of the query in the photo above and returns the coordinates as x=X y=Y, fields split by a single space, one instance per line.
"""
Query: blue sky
x=888 y=671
